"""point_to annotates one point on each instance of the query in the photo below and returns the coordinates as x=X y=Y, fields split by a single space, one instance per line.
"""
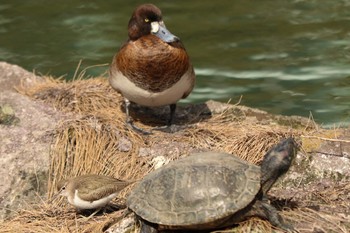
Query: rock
x=126 y=225
x=24 y=146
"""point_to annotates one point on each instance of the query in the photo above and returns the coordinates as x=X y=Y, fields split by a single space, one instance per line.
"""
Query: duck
x=152 y=68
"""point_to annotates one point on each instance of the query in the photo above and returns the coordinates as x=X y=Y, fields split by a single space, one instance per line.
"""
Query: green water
x=285 y=57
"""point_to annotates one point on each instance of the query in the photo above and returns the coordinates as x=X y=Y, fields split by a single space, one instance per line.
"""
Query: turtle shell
x=195 y=190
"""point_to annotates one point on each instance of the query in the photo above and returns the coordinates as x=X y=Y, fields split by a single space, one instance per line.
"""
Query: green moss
x=7 y=115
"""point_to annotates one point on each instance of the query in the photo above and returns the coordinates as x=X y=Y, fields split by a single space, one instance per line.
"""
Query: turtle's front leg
x=264 y=210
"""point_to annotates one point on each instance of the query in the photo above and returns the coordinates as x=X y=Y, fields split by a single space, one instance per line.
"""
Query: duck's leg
x=172 y=114
x=170 y=127
x=91 y=215
x=128 y=117
x=129 y=121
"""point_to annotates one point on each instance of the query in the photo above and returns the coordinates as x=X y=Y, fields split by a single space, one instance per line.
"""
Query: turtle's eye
x=146 y=20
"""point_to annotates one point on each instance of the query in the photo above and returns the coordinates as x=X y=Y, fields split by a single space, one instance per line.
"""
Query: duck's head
x=147 y=20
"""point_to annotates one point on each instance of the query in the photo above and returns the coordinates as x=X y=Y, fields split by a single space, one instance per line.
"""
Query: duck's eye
x=146 y=20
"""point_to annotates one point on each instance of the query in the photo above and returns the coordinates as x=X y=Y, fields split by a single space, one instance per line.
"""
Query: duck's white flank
x=143 y=97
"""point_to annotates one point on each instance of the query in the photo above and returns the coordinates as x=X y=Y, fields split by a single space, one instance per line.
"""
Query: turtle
x=210 y=190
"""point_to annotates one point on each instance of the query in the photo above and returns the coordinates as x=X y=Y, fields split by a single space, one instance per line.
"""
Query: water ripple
x=300 y=74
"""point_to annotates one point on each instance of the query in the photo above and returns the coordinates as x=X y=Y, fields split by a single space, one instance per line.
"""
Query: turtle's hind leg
x=147 y=227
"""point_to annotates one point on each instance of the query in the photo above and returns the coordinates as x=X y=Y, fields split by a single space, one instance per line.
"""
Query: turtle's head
x=276 y=162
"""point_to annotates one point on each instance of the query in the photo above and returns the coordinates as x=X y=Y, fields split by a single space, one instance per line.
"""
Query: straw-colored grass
x=96 y=140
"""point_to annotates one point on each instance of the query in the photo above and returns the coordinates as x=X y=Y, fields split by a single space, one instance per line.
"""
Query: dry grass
x=45 y=218
x=95 y=140
x=309 y=220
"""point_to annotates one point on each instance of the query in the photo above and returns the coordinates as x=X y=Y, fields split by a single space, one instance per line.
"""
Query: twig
x=326 y=139
x=239 y=101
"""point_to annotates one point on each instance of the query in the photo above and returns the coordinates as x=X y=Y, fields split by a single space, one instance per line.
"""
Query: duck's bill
x=159 y=30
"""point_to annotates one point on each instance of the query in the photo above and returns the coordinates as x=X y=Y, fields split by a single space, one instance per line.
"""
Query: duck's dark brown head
x=146 y=20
